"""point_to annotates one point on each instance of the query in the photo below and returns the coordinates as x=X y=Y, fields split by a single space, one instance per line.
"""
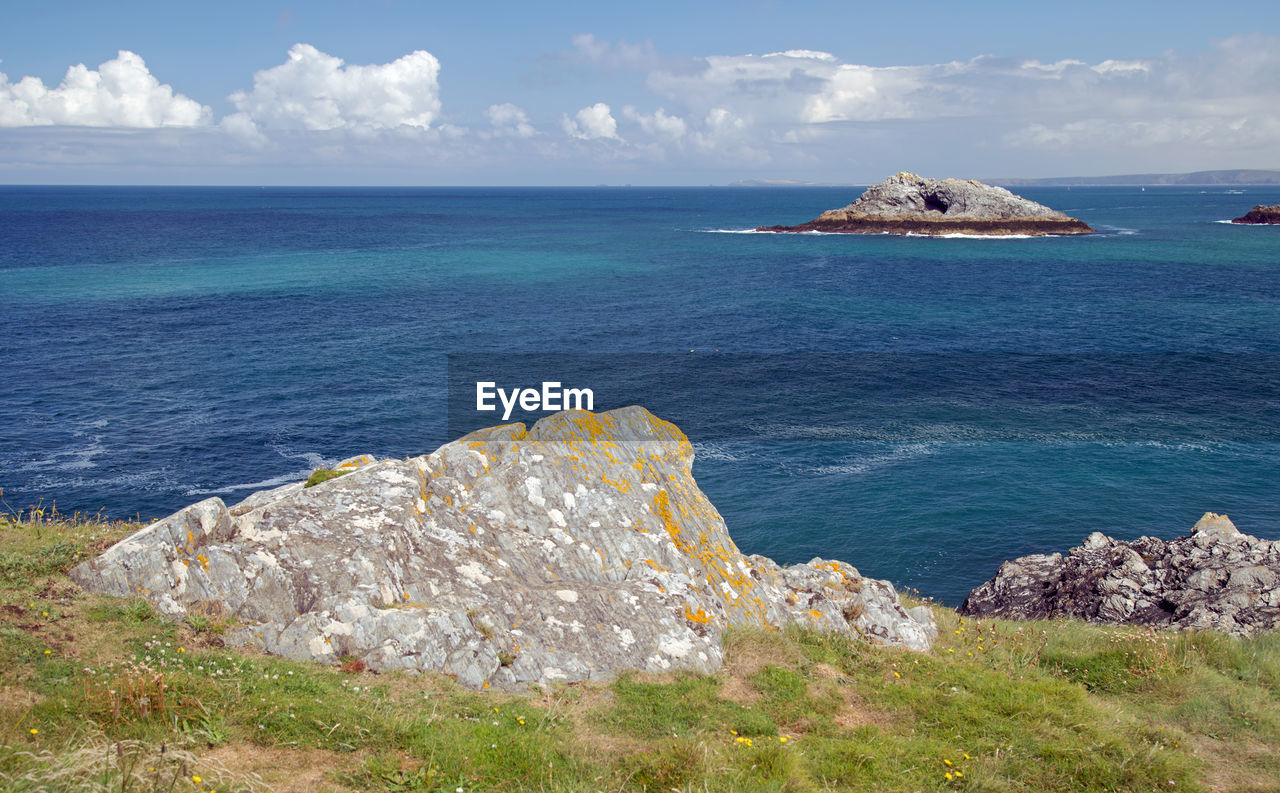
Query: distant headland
x=1241 y=176
x=1238 y=176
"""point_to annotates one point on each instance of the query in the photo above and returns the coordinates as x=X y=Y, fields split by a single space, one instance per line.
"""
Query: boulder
x=574 y=550
x=911 y=204
x=1260 y=214
x=1215 y=578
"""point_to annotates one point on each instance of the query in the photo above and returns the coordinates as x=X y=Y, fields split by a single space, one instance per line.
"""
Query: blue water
x=159 y=345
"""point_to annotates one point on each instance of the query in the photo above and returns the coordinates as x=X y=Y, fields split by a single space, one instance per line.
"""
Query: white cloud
x=1227 y=96
x=316 y=91
x=592 y=123
x=508 y=120
x=801 y=113
x=657 y=124
x=622 y=55
x=121 y=93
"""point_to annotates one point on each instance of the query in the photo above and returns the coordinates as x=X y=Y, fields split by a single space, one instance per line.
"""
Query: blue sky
x=383 y=92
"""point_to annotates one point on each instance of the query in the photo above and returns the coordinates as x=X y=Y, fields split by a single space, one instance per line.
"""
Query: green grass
x=324 y=475
x=107 y=684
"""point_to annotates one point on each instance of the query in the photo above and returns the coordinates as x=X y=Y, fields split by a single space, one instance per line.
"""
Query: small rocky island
x=574 y=550
x=911 y=204
x=1214 y=579
x=1261 y=214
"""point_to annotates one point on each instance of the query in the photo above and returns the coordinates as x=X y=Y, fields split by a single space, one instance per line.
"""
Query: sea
x=923 y=408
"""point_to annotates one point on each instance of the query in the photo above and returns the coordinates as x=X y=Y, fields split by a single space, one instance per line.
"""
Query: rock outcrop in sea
x=911 y=204
x=577 y=549
x=1261 y=214
x=1216 y=578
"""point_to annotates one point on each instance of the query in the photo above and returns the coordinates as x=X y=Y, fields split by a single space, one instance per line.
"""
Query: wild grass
x=323 y=475
x=104 y=694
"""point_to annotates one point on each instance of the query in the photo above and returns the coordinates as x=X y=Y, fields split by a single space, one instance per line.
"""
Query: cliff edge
x=577 y=549
x=911 y=204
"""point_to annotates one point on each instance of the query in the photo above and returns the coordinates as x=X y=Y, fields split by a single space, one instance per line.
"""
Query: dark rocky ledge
x=911 y=204
x=1216 y=578
x=1261 y=214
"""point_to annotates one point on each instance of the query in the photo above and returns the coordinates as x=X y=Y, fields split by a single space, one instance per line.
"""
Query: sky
x=383 y=92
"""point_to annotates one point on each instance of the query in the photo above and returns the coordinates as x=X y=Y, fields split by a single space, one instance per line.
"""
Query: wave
x=157 y=480
x=982 y=236
x=265 y=484
x=73 y=457
x=862 y=464
x=717 y=451
x=887 y=234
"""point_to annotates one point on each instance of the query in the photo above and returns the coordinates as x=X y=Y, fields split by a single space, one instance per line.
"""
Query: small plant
x=484 y=628
x=323 y=475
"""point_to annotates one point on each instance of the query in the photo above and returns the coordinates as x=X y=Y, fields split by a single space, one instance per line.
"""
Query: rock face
x=1261 y=214
x=910 y=204
x=1216 y=579
x=575 y=550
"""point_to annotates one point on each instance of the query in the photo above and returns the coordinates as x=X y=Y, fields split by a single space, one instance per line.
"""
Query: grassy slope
x=101 y=694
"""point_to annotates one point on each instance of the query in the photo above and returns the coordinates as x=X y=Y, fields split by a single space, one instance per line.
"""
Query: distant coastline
x=1241 y=176
x=1246 y=176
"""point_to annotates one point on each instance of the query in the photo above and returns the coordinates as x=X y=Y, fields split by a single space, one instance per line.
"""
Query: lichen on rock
x=574 y=550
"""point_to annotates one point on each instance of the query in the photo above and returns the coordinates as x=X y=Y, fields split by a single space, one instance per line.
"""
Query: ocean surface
x=922 y=408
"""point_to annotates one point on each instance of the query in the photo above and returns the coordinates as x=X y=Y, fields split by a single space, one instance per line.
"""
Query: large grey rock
x=1216 y=578
x=911 y=204
x=574 y=550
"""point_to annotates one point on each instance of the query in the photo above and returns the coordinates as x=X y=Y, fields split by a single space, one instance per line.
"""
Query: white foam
x=981 y=236
x=956 y=236
x=157 y=480
x=265 y=484
x=871 y=462
x=716 y=451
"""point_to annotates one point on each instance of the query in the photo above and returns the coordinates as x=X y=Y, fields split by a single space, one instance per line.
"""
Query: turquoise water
x=165 y=344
